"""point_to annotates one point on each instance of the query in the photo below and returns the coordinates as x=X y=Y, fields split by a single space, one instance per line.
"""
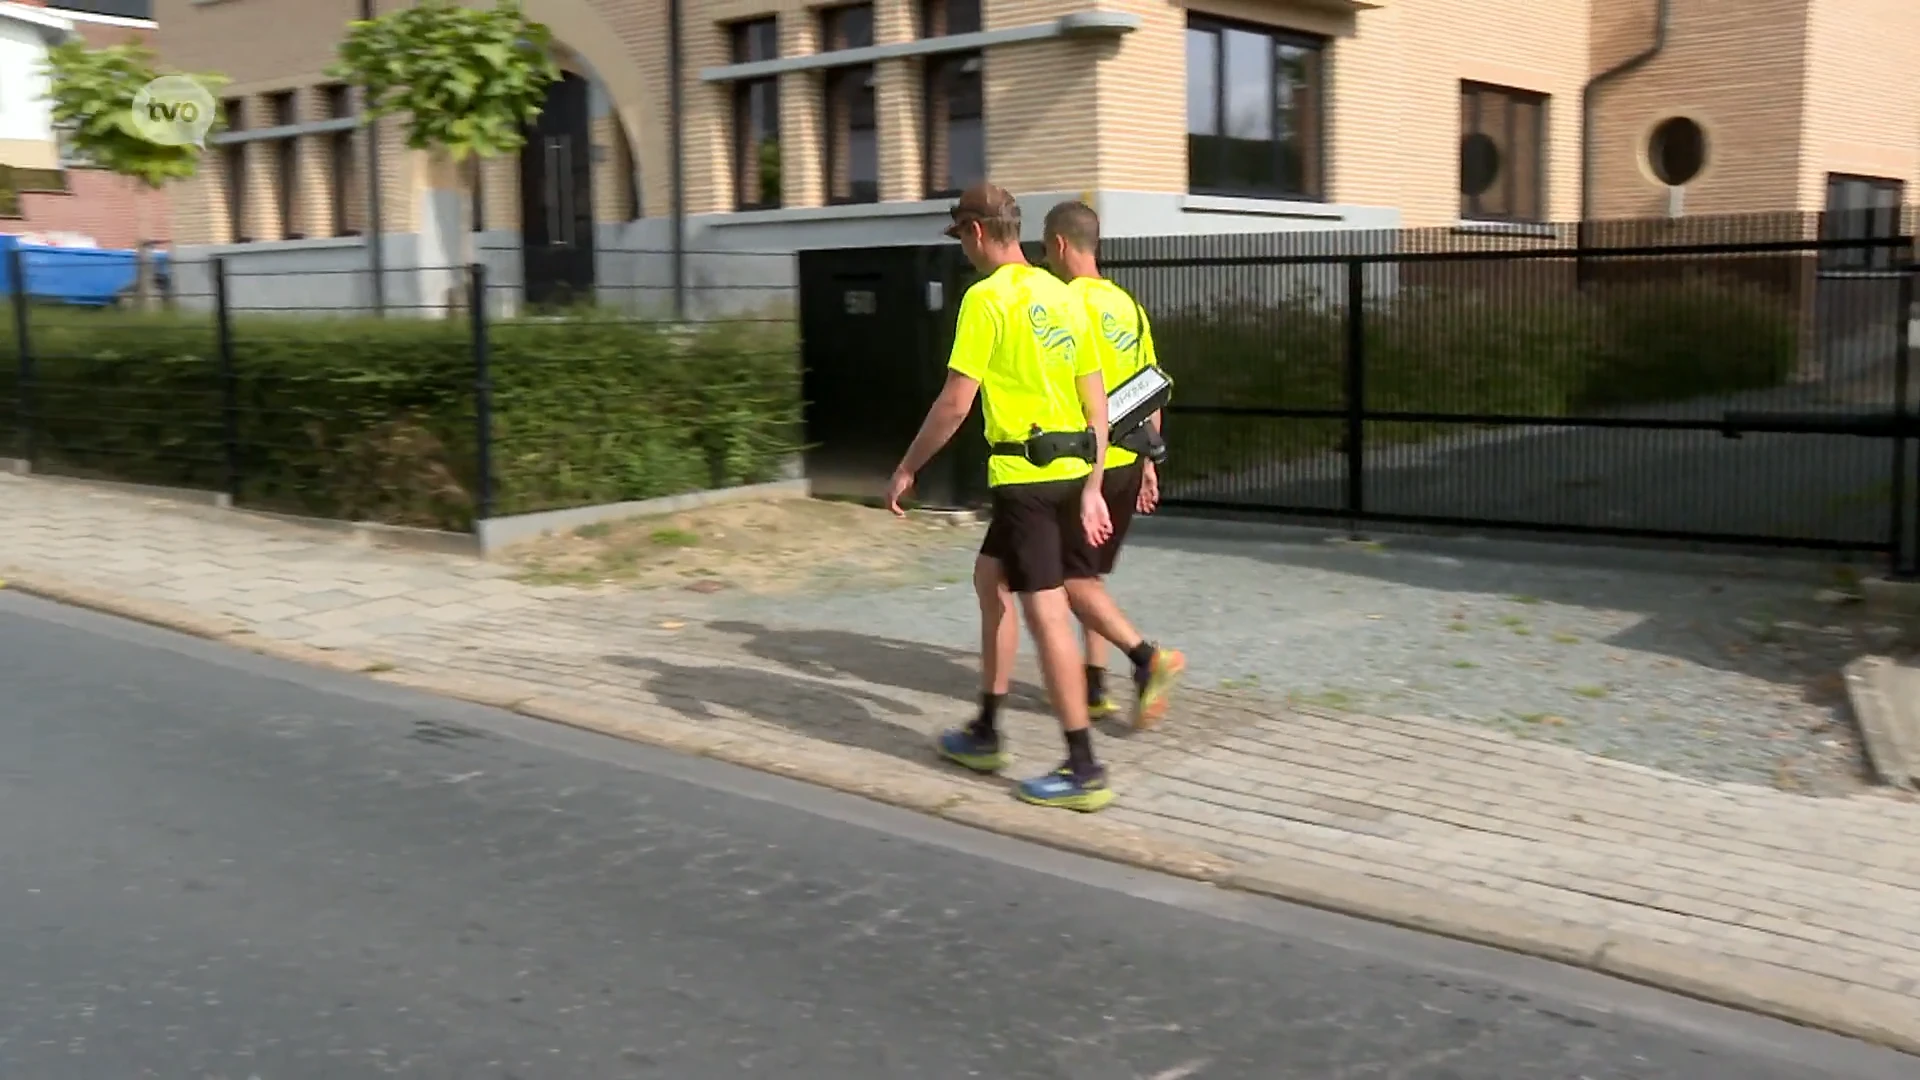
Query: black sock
x=1142 y=654
x=1096 y=684
x=986 y=726
x=1080 y=751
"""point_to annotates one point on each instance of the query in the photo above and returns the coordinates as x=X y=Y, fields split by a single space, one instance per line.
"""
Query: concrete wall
x=313 y=276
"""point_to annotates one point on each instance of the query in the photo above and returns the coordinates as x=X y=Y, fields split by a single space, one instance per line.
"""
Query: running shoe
x=970 y=751
x=1065 y=789
x=1154 y=681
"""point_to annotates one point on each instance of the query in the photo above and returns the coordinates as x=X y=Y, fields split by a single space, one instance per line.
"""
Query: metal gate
x=876 y=325
x=1728 y=392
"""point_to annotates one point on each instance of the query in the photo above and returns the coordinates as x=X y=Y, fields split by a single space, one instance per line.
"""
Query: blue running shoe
x=964 y=748
x=1063 y=789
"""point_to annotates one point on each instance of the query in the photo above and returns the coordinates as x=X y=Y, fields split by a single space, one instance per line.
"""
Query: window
x=233 y=170
x=1253 y=111
x=477 y=209
x=1861 y=208
x=756 y=120
x=955 y=122
x=1502 y=154
x=1677 y=151
x=852 y=143
x=343 y=171
x=286 y=165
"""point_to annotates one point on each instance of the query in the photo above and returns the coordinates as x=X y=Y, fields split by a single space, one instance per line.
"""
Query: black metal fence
x=1743 y=380
x=284 y=390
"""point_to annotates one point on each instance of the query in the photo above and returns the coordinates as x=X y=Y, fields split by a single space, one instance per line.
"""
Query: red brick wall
x=99 y=35
x=98 y=204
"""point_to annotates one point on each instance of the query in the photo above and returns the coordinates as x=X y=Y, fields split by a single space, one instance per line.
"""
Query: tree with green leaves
x=91 y=92
x=466 y=82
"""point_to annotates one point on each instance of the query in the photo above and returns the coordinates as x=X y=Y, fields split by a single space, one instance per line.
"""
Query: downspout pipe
x=1589 y=96
x=376 y=260
x=676 y=139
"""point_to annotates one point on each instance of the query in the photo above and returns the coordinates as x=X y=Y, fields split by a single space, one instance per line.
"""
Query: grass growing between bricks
x=376 y=419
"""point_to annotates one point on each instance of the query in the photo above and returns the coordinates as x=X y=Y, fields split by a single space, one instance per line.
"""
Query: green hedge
x=374 y=419
x=1607 y=347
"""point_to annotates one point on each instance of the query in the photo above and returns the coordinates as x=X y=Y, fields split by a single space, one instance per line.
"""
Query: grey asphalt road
x=216 y=867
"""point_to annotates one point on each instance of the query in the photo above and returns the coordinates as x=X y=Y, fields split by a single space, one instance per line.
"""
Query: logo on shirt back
x=1122 y=338
x=1056 y=341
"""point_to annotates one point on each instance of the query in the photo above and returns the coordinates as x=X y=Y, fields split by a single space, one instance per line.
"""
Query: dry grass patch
x=774 y=546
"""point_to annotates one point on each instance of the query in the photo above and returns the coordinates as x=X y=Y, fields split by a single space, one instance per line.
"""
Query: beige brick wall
x=1788 y=90
x=897 y=87
x=1862 y=113
x=1044 y=115
x=265 y=46
x=1739 y=70
x=1393 y=77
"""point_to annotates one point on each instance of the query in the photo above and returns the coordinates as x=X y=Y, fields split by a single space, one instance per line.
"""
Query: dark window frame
x=858 y=83
x=741 y=38
x=283 y=108
x=1313 y=154
x=342 y=159
x=233 y=171
x=972 y=22
x=1880 y=222
x=1470 y=208
x=951 y=68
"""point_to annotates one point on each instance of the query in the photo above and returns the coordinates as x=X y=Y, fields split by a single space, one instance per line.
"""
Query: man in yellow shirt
x=1023 y=345
x=1124 y=341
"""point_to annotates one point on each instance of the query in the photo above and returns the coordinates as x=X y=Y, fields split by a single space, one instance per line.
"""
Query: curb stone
x=1890 y=731
x=1799 y=997
x=1875 y=1016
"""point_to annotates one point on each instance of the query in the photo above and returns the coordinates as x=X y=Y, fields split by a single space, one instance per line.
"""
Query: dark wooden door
x=556 y=199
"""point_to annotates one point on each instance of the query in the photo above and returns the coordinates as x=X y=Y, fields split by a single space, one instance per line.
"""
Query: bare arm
x=1093 y=402
x=948 y=412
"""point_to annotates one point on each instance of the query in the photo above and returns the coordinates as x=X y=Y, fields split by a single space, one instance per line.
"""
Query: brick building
x=55 y=199
x=852 y=124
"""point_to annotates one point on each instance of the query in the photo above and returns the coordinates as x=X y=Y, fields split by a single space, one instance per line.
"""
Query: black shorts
x=1122 y=488
x=1036 y=535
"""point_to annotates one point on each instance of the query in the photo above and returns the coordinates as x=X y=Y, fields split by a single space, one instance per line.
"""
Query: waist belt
x=1043 y=448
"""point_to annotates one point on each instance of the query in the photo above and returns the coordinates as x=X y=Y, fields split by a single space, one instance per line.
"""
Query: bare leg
x=1095 y=608
x=999 y=627
x=1096 y=645
x=1154 y=669
x=1050 y=621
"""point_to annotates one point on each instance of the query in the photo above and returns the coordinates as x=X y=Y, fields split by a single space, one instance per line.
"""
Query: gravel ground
x=1716 y=667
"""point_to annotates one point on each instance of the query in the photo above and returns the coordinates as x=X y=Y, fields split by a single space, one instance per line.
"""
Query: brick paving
x=1825 y=886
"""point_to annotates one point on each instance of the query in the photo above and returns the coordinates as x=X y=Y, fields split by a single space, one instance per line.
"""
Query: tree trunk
x=447 y=177
x=143 y=298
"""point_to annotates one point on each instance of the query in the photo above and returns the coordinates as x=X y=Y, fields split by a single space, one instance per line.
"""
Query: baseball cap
x=982 y=202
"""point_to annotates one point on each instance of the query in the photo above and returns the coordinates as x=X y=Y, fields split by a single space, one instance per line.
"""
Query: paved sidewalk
x=1489 y=834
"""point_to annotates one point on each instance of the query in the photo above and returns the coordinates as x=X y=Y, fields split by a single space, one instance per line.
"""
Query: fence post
x=1356 y=394
x=229 y=379
x=482 y=395
x=1906 y=550
x=23 y=337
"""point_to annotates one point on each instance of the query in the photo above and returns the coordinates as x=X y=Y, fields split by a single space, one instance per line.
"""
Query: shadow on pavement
x=904 y=665
x=842 y=714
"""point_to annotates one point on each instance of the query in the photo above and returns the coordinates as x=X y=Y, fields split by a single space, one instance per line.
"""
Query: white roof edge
x=36 y=16
x=103 y=20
